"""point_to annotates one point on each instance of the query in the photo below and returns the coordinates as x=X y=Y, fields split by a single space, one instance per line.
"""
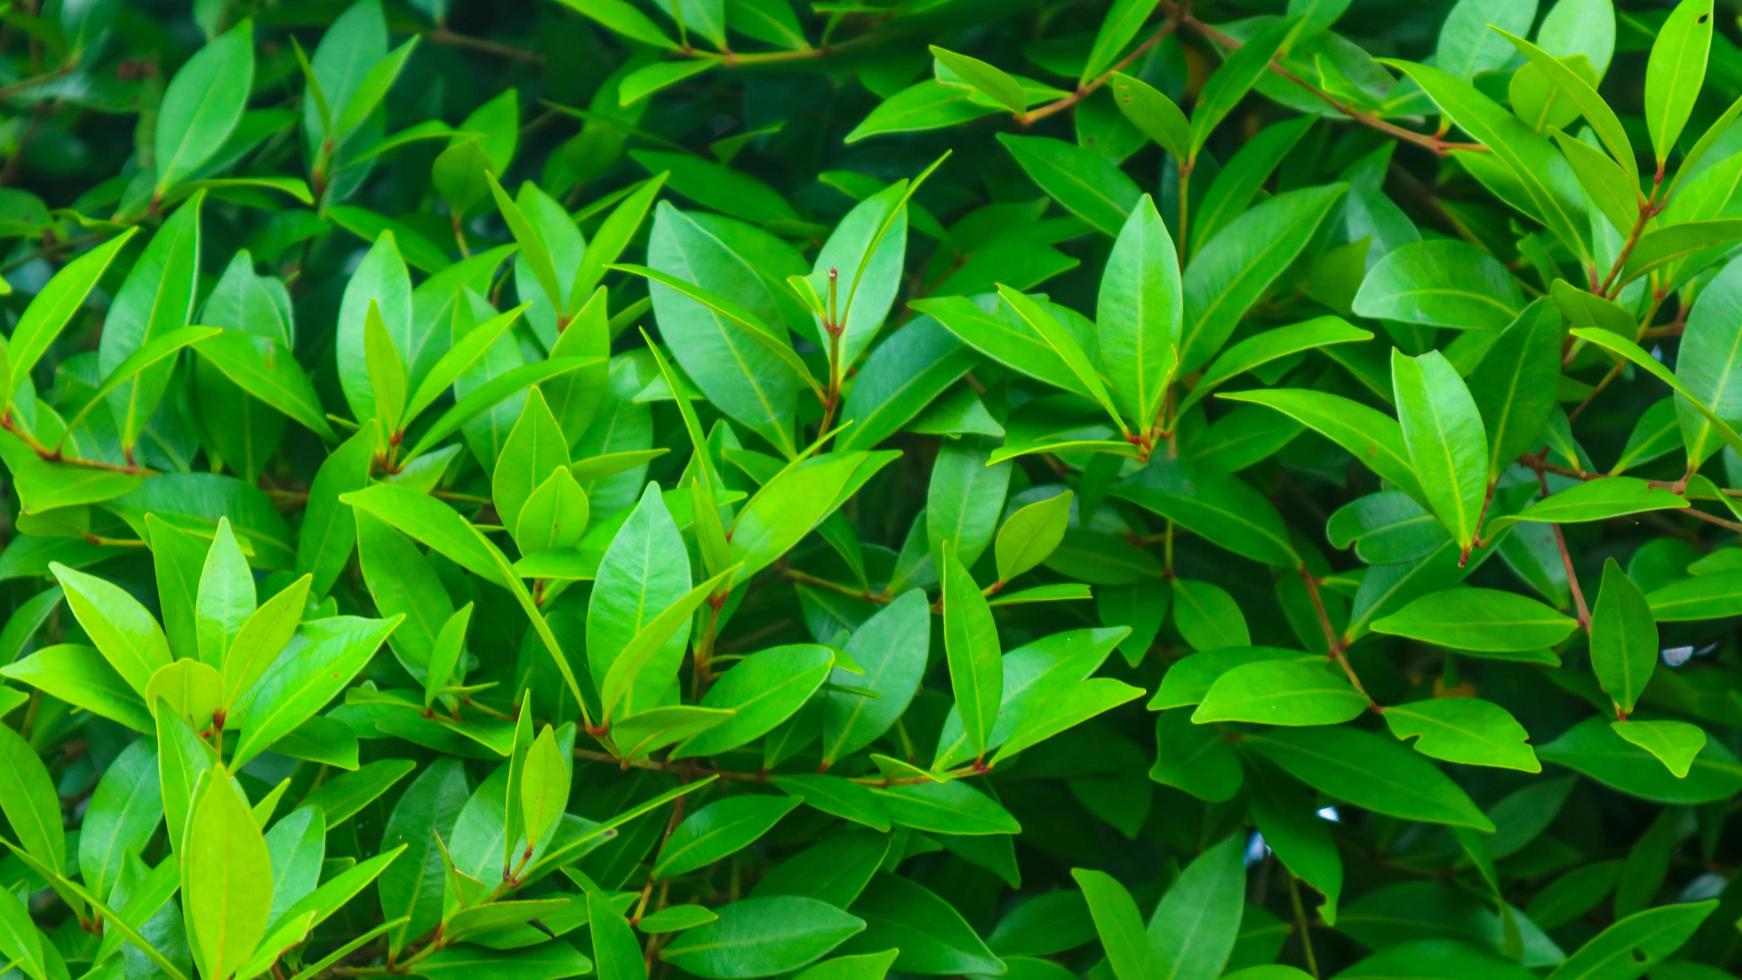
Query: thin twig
x=1435 y=144
x=1032 y=116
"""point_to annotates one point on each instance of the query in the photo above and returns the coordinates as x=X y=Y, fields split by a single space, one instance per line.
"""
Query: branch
x=1432 y=143
x=1031 y=116
x=56 y=456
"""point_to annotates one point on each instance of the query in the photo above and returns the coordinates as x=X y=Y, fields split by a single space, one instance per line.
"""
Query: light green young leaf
x=29 y=801
x=1139 y=314
x=1030 y=534
x=544 y=787
x=1675 y=743
x=1153 y=113
x=386 y=373
x=984 y=77
x=1448 y=447
x=227 y=876
x=122 y=629
x=1675 y=72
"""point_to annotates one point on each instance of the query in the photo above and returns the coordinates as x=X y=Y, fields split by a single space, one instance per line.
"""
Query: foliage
x=740 y=488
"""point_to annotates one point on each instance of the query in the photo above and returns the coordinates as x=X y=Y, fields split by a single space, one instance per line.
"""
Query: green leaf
x=53 y=307
x=155 y=299
x=719 y=830
x=328 y=533
x=907 y=372
x=1516 y=382
x=1674 y=743
x=20 y=942
x=1623 y=638
x=1156 y=115
x=227 y=873
x=623 y=18
x=1084 y=182
x=1467 y=41
x=946 y=808
x=1280 y=692
x=1195 y=926
x=931 y=935
x=411 y=888
x=1536 y=170
x=1120 y=926
x=984 y=77
x=433 y=523
x=1373 y=438
x=616 y=952
x=1270 y=345
x=1004 y=338
x=893 y=647
x=1030 y=534
x=760 y=936
x=1239 y=71
x=1370 y=772
x=1707 y=364
x=534 y=448
x=1594 y=749
x=124 y=812
x=544 y=786
x=262 y=635
x=1638 y=357
x=926 y=104
x=319 y=663
x=1217 y=507
x=28 y=798
x=1441 y=283
x=632 y=670
x=122 y=630
x=267 y=371
x=1583 y=95
x=641 y=574
x=1479 y=620
x=386 y=373
x=737 y=374
x=971 y=646
x=789 y=506
x=1465 y=730
x=1448 y=447
x=1675 y=72
x=650 y=78
x=1123 y=20
x=203 y=104
x=1139 y=314
x=1631 y=947
x=762 y=690
x=1230 y=273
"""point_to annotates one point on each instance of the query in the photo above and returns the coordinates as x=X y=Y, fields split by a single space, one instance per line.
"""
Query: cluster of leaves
x=769 y=488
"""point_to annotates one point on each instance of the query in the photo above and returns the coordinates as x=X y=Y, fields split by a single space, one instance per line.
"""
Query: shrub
x=737 y=488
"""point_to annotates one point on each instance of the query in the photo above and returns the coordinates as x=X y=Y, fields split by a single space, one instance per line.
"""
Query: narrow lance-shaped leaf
x=971 y=647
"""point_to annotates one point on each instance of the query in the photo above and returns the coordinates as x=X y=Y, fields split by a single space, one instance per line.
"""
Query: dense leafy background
x=736 y=488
